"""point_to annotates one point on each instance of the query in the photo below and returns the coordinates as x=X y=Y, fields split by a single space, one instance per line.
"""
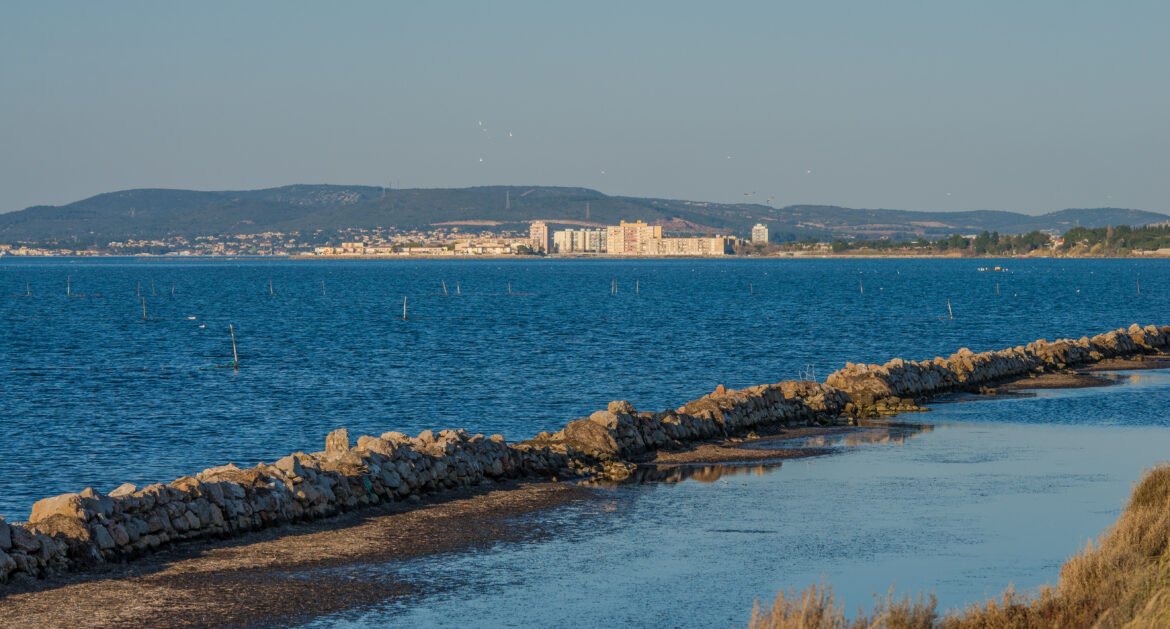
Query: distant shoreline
x=848 y=256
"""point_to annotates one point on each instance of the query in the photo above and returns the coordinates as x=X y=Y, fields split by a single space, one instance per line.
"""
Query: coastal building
x=701 y=246
x=760 y=234
x=579 y=241
x=538 y=234
x=632 y=239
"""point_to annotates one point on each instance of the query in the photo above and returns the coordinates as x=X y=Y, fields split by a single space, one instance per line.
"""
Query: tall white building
x=760 y=234
x=539 y=235
x=579 y=241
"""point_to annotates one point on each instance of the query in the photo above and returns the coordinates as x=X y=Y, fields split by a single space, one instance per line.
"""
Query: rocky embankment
x=75 y=531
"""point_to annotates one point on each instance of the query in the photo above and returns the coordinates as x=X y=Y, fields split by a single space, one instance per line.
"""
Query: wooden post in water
x=457 y=292
x=270 y=291
x=637 y=288
x=143 y=308
x=950 y=313
x=68 y=285
x=444 y=282
x=172 y=290
x=27 y=289
x=509 y=289
x=235 y=355
x=1139 y=286
x=860 y=284
x=997 y=288
x=322 y=288
x=140 y=288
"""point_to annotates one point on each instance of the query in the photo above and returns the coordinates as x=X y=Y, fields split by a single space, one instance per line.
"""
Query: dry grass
x=816 y=608
x=1123 y=581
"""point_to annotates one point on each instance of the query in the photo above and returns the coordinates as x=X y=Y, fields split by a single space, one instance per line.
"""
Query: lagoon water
x=962 y=511
x=93 y=395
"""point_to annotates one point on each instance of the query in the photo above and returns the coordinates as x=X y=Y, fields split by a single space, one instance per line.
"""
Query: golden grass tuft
x=1122 y=581
x=817 y=608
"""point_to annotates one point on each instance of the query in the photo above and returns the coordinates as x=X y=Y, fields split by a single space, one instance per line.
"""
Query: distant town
x=626 y=239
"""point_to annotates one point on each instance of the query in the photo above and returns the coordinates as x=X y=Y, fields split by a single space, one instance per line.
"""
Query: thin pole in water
x=139 y=288
x=860 y=284
x=637 y=288
x=457 y=289
x=509 y=289
x=444 y=282
x=322 y=288
x=751 y=289
x=950 y=313
x=270 y=291
x=143 y=308
x=1139 y=286
x=27 y=289
x=235 y=355
x=997 y=288
x=404 y=307
x=172 y=289
x=152 y=291
x=68 y=285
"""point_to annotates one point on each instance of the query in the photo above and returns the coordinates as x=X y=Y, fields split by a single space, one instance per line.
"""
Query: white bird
x=191 y=318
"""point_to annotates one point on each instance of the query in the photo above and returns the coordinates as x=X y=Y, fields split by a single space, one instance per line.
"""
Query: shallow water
x=989 y=497
x=93 y=395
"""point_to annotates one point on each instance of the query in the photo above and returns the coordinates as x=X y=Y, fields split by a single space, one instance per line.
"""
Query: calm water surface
x=93 y=395
x=980 y=501
x=1000 y=491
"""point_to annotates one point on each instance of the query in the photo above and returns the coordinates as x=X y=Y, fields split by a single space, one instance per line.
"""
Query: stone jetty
x=74 y=531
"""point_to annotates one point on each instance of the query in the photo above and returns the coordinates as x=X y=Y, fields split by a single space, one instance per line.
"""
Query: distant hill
x=156 y=213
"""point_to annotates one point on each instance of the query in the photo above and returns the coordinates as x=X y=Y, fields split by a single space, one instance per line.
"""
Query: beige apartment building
x=708 y=246
x=632 y=239
x=538 y=234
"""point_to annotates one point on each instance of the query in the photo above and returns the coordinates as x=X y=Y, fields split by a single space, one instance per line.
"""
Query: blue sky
x=1028 y=106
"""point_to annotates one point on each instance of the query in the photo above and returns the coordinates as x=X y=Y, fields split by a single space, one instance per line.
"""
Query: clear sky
x=1023 y=105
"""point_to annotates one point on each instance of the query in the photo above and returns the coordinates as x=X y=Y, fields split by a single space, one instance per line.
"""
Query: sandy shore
x=260 y=579
x=280 y=576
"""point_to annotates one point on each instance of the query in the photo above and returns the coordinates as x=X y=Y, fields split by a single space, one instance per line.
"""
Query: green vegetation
x=1123 y=581
x=1118 y=240
x=985 y=244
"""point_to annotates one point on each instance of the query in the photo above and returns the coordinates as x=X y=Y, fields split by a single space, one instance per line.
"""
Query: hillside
x=155 y=213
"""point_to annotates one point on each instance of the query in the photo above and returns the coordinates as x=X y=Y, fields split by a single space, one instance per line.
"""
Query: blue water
x=93 y=395
x=999 y=492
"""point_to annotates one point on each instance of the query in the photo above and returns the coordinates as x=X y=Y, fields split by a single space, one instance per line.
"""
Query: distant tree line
x=986 y=243
x=1116 y=240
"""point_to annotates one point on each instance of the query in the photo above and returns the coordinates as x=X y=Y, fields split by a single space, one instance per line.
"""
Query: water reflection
x=782 y=448
x=703 y=473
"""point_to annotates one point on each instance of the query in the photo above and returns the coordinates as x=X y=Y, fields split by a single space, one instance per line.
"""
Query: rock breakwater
x=75 y=531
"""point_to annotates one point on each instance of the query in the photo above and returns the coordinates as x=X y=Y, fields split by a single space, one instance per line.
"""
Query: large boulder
x=70 y=505
x=590 y=437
